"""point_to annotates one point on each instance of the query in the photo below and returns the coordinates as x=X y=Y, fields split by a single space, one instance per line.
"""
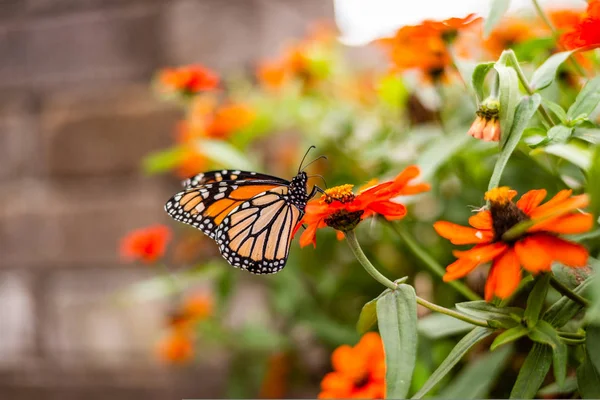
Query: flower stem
x=555 y=34
x=432 y=265
x=452 y=313
x=364 y=261
x=565 y=291
x=573 y=342
x=571 y=335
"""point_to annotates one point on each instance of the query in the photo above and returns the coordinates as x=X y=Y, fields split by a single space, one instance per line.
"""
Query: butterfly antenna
x=313 y=161
x=319 y=176
x=304 y=158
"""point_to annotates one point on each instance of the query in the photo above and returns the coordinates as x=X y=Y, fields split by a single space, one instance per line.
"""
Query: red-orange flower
x=190 y=163
x=188 y=79
x=586 y=32
x=535 y=250
x=509 y=33
x=146 y=244
x=228 y=119
x=193 y=309
x=342 y=210
x=359 y=371
x=176 y=348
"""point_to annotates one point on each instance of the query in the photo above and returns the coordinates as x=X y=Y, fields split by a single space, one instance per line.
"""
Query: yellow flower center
x=500 y=195
x=342 y=193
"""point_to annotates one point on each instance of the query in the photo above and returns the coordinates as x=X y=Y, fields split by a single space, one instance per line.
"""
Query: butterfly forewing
x=227 y=175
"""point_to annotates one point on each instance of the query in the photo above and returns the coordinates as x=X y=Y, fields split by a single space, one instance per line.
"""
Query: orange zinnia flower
x=190 y=163
x=228 y=119
x=193 y=309
x=586 y=32
x=176 y=348
x=359 y=371
x=146 y=244
x=510 y=32
x=342 y=210
x=535 y=250
x=188 y=79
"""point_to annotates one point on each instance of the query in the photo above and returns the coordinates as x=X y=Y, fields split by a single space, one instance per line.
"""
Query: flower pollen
x=342 y=193
x=505 y=213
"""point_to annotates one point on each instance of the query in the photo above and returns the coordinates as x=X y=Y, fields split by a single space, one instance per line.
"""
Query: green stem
x=432 y=265
x=571 y=335
x=565 y=291
x=509 y=55
x=573 y=342
x=364 y=261
x=452 y=313
x=555 y=34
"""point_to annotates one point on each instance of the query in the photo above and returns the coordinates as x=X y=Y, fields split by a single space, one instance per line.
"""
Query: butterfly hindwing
x=227 y=175
x=256 y=236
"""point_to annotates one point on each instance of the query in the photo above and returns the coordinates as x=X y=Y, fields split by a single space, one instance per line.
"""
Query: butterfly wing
x=227 y=175
x=256 y=235
x=205 y=207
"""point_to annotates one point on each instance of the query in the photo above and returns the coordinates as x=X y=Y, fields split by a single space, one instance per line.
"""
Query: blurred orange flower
x=176 y=348
x=189 y=79
x=585 y=33
x=535 y=250
x=359 y=371
x=146 y=244
x=192 y=310
x=229 y=119
x=191 y=162
x=342 y=210
x=509 y=33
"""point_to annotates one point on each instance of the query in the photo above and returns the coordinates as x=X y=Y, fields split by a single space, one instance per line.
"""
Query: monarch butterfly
x=250 y=215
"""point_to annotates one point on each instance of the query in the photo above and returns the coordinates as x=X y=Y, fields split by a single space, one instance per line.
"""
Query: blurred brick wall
x=76 y=118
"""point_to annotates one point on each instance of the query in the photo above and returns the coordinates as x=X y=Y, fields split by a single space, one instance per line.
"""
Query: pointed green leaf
x=593 y=184
x=577 y=155
x=559 y=134
x=590 y=135
x=397 y=319
x=162 y=161
x=587 y=100
x=536 y=299
x=509 y=99
x=544 y=333
x=545 y=74
x=505 y=317
x=555 y=390
x=436 y=326
x=525 y=111
x=478 y=79
x=588 y=379
x=556 y=110
x=497 y=11
x=533 y=372
x=592 y=343
x=224 y=154
x=509 y=336
x=476 y=379
x=564 y=309
x=368 y=314
x=457 y=353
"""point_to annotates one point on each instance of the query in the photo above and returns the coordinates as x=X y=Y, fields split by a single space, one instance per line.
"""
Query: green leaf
x=461 y=348
x=509 y=99
x=556 y=110
x=368 y=314
x=577 y=155
x=436 y=326
x=536 y=299
x=162 y=161
x=497 y=11
x=554 y=390
x=544 y=333
x=592 y=343
x=525 y=111
x=392 y=90
x=559 y=134
x=440 y=151
x=565 y=309
x=587 y=100
x=224 y=154
x=593 y=184
x=506 y=317
x=397 y=319
x=509 y=336
x=532 y=373
x=476 y=379
x=590 y=135
x=478 y=79
x=545 y=74
x=588 y=379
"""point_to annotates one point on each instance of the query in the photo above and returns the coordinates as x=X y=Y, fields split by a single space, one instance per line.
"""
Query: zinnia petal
x=458 y=234
x=530 y=200
x=309 y=236
x=559 y=208
x=459 y=268
x=390 y=210
x=481 y=220
x=567 y=224
x=483 y=253
x=532 y=254
x=566 y=252
x=504 y=276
